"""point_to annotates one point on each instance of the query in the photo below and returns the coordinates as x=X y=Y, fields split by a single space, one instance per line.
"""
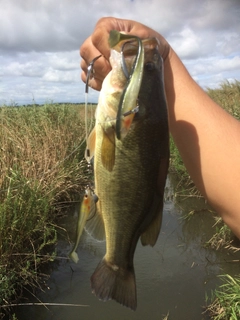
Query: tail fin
x=113 y=282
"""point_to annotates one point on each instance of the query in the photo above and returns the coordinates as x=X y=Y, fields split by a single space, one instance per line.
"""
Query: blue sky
x=40 y=40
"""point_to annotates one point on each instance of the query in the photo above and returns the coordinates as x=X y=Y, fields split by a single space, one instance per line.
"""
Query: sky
x=40 y=41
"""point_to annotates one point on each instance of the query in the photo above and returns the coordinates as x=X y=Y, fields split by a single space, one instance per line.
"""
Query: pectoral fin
x=91 y=141
x=95 y=226
x=108 y=148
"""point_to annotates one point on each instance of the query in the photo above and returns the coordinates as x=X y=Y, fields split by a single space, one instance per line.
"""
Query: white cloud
x=186 y=43
x=53 y=75
x=40 y=40
x=213 y=65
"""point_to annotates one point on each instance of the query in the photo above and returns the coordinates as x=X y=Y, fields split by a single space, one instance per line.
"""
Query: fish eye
x=149 y=66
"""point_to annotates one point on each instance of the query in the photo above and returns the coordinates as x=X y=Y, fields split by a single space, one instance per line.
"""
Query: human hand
x=97 y=44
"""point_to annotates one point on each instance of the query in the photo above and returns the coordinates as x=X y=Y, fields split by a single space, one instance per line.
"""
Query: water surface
x=172 y=278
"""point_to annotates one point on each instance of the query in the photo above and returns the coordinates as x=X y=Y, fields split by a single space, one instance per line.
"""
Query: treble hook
x=90 y=72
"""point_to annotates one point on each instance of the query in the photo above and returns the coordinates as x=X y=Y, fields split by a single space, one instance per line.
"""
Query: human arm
x=207 y=137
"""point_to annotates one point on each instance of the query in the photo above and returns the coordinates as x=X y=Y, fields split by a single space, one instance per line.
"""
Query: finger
x=99 y=71
x=105 y=25
x=93 y=83
x=88 y=51
x=96 y=75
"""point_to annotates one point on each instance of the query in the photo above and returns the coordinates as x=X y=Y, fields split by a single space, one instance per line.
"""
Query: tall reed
x=41 y=166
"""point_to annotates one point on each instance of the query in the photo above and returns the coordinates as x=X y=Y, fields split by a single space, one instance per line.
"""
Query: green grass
x=228 y=96
x=41 y=172
x=185 y=186
x=223 y=237
x=225 y=301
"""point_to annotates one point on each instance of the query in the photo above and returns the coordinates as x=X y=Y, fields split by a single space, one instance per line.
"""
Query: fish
x=130 y=164
x=87 y=209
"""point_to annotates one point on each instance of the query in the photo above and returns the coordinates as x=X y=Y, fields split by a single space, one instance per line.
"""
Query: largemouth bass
x=130 y=169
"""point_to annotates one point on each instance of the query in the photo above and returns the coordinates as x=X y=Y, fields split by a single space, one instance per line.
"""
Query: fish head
x=115 y=96
x=152 y=86
x=138 y=58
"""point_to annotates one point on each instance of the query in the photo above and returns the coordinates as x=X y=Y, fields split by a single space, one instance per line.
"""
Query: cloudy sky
x=40 y=40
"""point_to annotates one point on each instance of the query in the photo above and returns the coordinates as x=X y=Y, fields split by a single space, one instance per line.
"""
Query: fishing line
x=89 y=124
x=89 y=74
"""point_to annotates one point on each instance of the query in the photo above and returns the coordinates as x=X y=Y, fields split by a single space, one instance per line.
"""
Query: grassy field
x=42 y=172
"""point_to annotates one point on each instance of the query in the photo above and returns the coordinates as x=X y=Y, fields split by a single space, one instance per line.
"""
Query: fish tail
x=74 y=256
x=113 y=282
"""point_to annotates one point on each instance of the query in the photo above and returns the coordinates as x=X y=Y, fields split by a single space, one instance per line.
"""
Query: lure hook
x=90 y=72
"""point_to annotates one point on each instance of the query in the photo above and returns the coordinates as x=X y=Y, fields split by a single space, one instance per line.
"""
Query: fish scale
x=126 y=193
x=130 y=166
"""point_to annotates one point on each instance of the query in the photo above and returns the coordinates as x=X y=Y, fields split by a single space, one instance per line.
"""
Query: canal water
x=172 y=278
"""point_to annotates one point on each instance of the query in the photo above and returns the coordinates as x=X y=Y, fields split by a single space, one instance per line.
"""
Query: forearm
x=208 y=139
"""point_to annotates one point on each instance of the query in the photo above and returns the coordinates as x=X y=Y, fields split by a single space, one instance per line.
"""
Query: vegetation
x=223 y=237
x=228 y=96
x=185 y=187
x=41 y=173
x=225 y=301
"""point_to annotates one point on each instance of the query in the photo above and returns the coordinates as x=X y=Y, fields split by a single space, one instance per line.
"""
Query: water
x=172 y=278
